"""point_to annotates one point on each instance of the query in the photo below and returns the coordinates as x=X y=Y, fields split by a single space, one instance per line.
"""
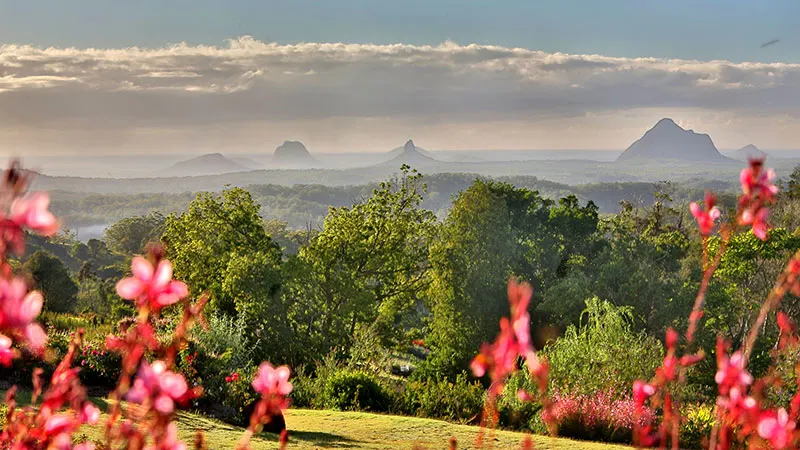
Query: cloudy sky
x=98 y=76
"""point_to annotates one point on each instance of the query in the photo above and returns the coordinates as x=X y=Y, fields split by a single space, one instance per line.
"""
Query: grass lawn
x=311 y=429
x=332 y=429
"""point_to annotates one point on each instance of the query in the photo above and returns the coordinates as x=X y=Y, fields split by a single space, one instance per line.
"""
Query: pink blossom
x=757 y=193
x=524 y=396
x=519 y=297
x=756 y=181
x=272 y=380
x=18 y=309
x=7 y=354
x=58 y=424
x=89 y=414
x=152 y=285
x=731 y=372
x=159 y=385
x=31 y=212
x=642 y=391
x=776 y=428
x=737 y=405
x=501 y=357
x=170 y=440
x=706 y=218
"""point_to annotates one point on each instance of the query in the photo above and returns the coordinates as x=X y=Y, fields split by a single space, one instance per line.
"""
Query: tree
x=131 y=235
x=215 y=232
x=368 y=264
x=470 y=265
x=53 y=279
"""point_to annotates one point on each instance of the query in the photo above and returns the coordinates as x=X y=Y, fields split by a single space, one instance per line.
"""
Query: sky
x=96 y=76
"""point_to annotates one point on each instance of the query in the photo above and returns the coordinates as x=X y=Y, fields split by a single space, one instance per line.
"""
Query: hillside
x=668 y=141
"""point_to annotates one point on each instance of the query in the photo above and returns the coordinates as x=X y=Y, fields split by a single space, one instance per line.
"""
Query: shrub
x=215 y=354
x=604 y=354
x=599 y=417
x=99 y=367
x=459 y=401
x=517 y=414
x=698 y=423
x=355 y=390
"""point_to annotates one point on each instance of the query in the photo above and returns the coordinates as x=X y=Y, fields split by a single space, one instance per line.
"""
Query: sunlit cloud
x=185 y=86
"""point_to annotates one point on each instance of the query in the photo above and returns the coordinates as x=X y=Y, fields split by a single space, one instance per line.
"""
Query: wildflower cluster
x=743 y=415
x=602 y=415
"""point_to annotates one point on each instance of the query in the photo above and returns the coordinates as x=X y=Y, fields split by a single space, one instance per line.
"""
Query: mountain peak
x=748 y=152
x=669 y=141
x=667 y=122
x=410 y=154
x=293 y=153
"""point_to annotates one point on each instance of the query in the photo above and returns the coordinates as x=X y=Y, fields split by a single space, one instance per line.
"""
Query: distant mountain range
x=208 y=164
x=668 y=141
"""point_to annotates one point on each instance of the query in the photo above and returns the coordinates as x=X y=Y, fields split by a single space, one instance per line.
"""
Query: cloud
x=183 y=85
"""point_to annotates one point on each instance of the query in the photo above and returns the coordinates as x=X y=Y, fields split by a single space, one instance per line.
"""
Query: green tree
x=367 y=265
x=131 y=235
x=215 y=232
x=53 y=279
x=470 y=265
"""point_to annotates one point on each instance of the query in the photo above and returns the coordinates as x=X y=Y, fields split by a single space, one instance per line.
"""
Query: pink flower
x=58 y=424
x=757 y=193
x=524 y=396
x=151 y=285
x=31 y=212
x=18 y=310
x=642 y=391
x=756 y=181
x=731 y=372
x=89 y=414
x=519 y=297
x=170 y=440
x=499 y=358
x=737 y=405
x=706 y=218
x=272 y=380
x=776 y=428
x=159 y=385
x=7 y=354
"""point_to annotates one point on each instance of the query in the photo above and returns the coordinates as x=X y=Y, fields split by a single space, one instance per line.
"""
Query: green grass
x=312 y=429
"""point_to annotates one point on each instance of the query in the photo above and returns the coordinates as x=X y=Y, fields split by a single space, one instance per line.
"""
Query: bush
x=604 y=354
x=603 y=416
x=213 y=355
x=99 y=367
x=515 y=413
x=459 y=401
x=353 y=390
x=697 y=426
